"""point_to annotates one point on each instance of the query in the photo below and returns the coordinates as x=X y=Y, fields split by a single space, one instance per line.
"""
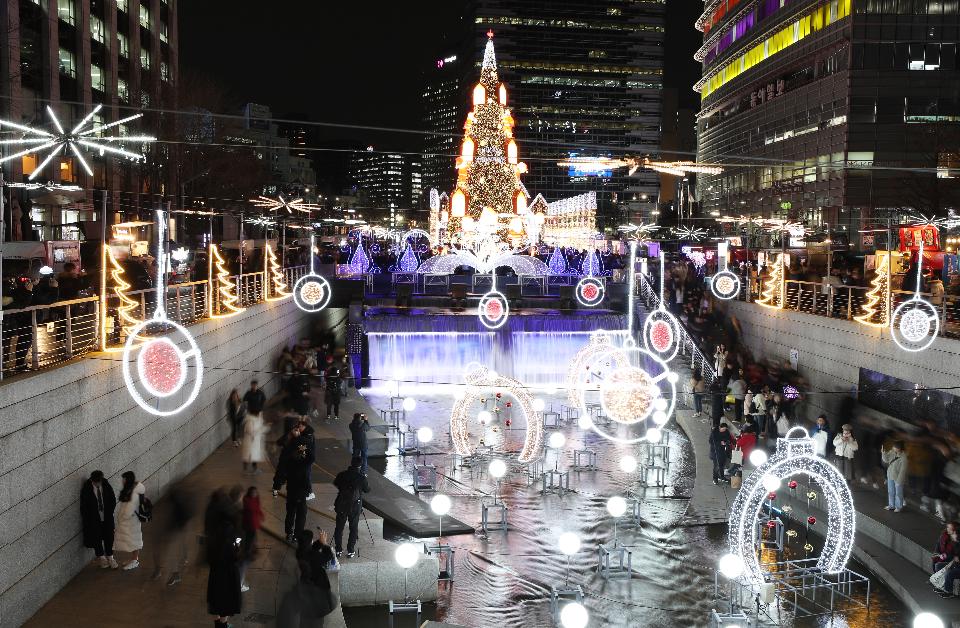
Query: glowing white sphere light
x=927 y=620
x=616 y=506
x=584 y=422
x=771 y=483
x=498 y=468
x=484 y=417
x=407 y=555
x=440 y=504
x=556 y=440
x=758 y=457
x=731 y=566
x=409 y=404
x=654 y=435
x=538 y=404
x=574 y=615
x=628 y=464
x=425 y=435
x=569 y=543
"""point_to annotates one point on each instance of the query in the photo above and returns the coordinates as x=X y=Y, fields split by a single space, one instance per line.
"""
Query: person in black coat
x=223 y=536
x=293 y=469
x=358 y=433
x=721 y=444
x=97 y=503
x=350 y=486
x=311 y=599
x=332 y=396
x=255 y=399
x=716 y=403
x=298 y=394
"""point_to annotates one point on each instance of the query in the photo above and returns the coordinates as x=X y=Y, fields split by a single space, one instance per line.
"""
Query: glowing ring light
x=915 y=324
x=725 y=285
x=590 y=292
x=634 y=385
x=156 y=367
x=312 y=293
x=794 y=455
x=480 y=382
x=493 y=310
x=661 y=334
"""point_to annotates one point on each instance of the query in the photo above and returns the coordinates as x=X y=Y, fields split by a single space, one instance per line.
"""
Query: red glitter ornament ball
x=499 y=395
x=507 y=422
x=162 y=369
x=509 y=404
x=771 y=524
x=792 y=484
x=811 y=520
x=590 y=292
x=494 y=309
x=661 y=336
x=772 y=496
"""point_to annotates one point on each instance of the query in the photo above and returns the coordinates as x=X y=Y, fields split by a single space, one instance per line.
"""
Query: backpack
x=145 y=509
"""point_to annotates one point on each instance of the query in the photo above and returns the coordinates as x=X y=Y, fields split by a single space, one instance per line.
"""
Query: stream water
x=504 y=579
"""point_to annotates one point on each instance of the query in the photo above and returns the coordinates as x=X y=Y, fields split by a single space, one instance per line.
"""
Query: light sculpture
x=794 y=455
x=225 y=288
x=312 y=292
x=690 y=233
x=915 y=323
x=661 y=330
x=876 y=308
x=590 y=291
x=773 y=293
x=482 y=381
x=156 y=367
x=275 y=286
x=290 y=205
x=79 y=137
x=724 y=285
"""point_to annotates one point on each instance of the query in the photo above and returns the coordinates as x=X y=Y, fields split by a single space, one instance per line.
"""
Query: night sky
x=357 y=63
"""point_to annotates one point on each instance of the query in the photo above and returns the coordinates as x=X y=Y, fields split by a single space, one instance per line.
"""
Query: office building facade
x=586 y=80
x=445 y=104
x=73 y=55
x=846 y=111
x=390 y=185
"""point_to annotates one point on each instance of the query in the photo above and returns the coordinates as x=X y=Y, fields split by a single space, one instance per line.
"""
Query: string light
x=724 y=285
x=481 y=381
x=914 y=319
x=641 y=232
x=120 y=287
x=276 y=204
x=794 y=455
x=878 y=297
x=272 y=271
x=80 y=137
x=225 y=287
x=600 y=343
x=773 y=296
x=695 y=234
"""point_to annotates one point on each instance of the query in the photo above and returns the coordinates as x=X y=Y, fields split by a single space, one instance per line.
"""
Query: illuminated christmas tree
x=592 y=265
x=274 y=285
x=875 y=309
x=225 y=288
x=488 y=179
x=359 y=262
x=408 y=262
x=773 y=286
x=127 y=305
x=557 y=262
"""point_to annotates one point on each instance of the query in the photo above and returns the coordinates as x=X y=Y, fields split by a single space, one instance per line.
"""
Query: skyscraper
x=73 y=55
x=844 y=110
x=586 y=80
x=444 y=102
x=387 y=182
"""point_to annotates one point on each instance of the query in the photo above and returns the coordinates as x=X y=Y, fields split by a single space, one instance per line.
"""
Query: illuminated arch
x=794 y=455
x=483 y=379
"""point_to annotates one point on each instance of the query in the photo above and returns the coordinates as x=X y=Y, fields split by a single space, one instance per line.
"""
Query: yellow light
x=458 y=204
x=516 y=225
x=488 y=216
x=467 y=223
x=444 y=216
x=503 y=94
x=522 y=168
x=511 y=152
x=466 y=151
x=521 y=204
x=479 y=95
x=225 y=287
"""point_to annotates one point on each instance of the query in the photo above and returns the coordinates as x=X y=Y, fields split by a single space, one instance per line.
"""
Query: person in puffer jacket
x=896 y=460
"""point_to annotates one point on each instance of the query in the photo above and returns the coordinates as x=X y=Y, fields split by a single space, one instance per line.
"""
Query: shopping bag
x=736 y=457
x=735 y=481
x=939 y=579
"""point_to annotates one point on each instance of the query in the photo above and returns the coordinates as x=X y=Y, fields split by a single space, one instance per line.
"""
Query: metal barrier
x=41 y=336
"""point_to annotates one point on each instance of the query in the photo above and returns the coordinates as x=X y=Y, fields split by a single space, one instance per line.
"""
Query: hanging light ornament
x=312 y=292
x=915 y=323
x=156 y=367
x=724 y=285
x=661 y=330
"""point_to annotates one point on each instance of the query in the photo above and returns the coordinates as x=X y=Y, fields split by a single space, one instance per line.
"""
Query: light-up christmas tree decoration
x=773 y=287
x=878 y=298
x=557 y=262
x=360 y=261
x=274 y=285
x=408 y=262
x=488 y=168
x=226 y=289
x=127 y=306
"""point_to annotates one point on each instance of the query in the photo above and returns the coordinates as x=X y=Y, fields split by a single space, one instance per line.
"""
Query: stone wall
x=59 y=425
x=832 y=351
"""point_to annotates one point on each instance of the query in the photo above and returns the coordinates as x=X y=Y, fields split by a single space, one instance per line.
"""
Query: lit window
x=123 y=45
x=163 y=32
x=144 y=16
x=66 y=170
x=97 y=79
x=123 y=90
x=123 y=5
x=164 y=71
x=65 y=11
x=96 y=29
x=68 y=63
x=28 y=163
x=144 y=58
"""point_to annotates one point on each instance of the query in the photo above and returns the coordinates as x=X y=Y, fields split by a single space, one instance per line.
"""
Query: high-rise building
x=844 y=111
x=73 y=55
x=585 y=80
x=387 y=182
x=444 y=102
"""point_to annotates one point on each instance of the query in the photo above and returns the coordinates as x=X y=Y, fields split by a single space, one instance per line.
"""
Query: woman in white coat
x=252 y=449
x=128 y=536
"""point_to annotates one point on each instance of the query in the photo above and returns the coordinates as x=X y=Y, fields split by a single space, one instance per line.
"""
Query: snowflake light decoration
x=795 y=455
x=698 y=258
x=82 y=137
x=915 y=323
x=690 y=233
x=641 y=232
x=276 y=204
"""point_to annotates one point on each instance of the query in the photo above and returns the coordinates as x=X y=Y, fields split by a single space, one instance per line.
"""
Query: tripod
x=370 y=532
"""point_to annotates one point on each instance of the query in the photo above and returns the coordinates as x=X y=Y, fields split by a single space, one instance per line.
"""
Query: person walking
x=293 y=470
x=721 y=444
x=698 y=388
x=223 y=542
x=845 y=448
x=97 y=504
x=351 y=484
x=716 y=403
x=359 y=427
x=737 y=389
x=128 y=536
x=253 y=451
x=255 y=398
x=332 y=396
x=235 y=413
x=896 y=461
x=252 y=520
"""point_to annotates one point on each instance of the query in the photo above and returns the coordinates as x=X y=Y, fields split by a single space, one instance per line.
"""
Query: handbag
x=145 y=509
x=736 y=456
x=939 y=579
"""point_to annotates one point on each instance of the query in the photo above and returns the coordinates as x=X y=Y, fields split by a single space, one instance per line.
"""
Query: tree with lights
x=558 y=262
x=225 y=287
x=488 y=179
x=360 y=261
x=875 y=309
x=127 y=305
x=773 y=286
x=274 y=282
x=408 y=262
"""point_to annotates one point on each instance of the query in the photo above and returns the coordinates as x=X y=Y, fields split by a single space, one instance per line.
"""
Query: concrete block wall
x=59 y=425
x=831 y=352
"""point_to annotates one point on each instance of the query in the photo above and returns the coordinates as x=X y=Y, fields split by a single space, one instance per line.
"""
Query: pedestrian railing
x=41 y=336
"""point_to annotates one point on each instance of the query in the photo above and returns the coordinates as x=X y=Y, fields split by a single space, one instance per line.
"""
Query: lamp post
x=406 y=556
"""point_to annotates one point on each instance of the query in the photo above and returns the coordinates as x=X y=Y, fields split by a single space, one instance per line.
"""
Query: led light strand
x=127 y=305
x=875 y=310
x=773 y=296
x=274 y=283
x=724 y=285
x=225 y=287
x=276 y=204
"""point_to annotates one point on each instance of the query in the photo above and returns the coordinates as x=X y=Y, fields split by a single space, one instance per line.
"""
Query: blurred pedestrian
x=253 y=451
x=223 y=540
x=721 y=444
x=255 y=398
x=235 y=413
x=359 y=427
x=130 y=513
x=822 y=437
x=252 y=521
x=698 y=389
x=97 y=503
x=332 y=395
